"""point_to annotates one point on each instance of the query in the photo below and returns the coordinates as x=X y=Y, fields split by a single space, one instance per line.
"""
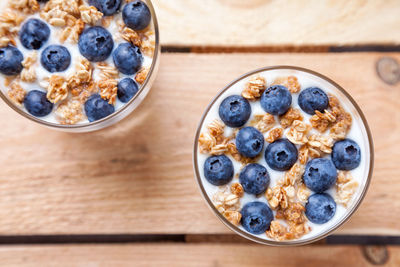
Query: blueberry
x=254 y=178
x=346 y=155
x=218 y=170
x=127 y=88
x=136 y=15
x=256 y=217
x=312 y=99
x=281 y=155
x=320 y=174
x=96 y=44
x=107 y=7
x=97 y=108
x=10 y=60
x=127 y=58
x=36 y=103
x=34 y=33
x=249 y=142
x=320 y=208
x=55 y=58
x=234 y=111
x=276 y=100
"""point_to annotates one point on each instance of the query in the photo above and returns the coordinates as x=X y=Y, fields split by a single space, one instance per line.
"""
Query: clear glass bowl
x=363 y=186
x=119 y=114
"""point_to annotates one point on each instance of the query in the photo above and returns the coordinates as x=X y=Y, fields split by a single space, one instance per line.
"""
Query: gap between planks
x=281 y=49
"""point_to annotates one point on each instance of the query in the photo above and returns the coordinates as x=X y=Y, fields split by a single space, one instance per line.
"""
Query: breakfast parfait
x=283 y=155
x=74 y=61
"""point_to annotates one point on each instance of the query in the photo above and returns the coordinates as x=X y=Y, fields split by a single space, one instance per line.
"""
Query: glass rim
x=113 y=115
x=295 y=242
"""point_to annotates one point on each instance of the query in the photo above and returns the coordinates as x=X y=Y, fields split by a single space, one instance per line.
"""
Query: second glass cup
x=313 y=156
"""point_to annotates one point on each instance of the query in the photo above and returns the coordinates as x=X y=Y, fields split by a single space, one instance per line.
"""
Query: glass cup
x=344 y=98
x=118 y=115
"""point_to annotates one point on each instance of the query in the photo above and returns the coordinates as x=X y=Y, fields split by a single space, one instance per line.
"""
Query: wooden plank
x=137 y=176
x=276 y=23
x=189 y=255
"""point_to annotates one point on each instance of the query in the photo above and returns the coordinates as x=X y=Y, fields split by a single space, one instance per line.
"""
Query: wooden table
x=126 y=195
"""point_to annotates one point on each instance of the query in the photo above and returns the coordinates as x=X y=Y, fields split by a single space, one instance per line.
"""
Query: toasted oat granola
x=69 y=112
x=90 y=14
x=16 y=93
x=287 y=119
x=254 y=88
x=346 y=186
x=263 y=122
x=141 y=75
x=57 y=89
x=290 y=82
x=25 y=6
x=274 y=135
x=28 y=74
x=298 y=133
x=108 y=90
x=237 y=189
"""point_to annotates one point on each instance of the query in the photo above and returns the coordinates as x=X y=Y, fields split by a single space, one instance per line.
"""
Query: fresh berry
x=312 y=99
x=36 y=103
x=136 y=15
x=96 y=44
x=320 y=175
x=346 y=155
x=276 y=100
x=249 y=142
x=10 y=60
x=34 y=33
x=254 y=178
x=127 y=88
x=218 y=170
x=320 y=208
x=281 y=155
x=107 y=7
x=127 y=58
x=55 y=58
x=256 y=217
x=97 y=108
x=234 y=111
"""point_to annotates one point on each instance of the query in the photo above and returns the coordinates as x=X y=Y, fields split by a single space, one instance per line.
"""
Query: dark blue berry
x=234 y=111
x=136 y=15
x=346 y=155
x=312 y=99
x=97 y=108
x=254 y=178
x=276 y=100
x=107 y=7
x=55 y=58
x=96 y=44
x=127 y=88
x=34 y=33
x=249 y=142
x=281 y=155
x=10 y=60
x=36 y=103
x=256 y=217
x=127 y=58
x=320 y=208
x=320 y=175
x=218 y=170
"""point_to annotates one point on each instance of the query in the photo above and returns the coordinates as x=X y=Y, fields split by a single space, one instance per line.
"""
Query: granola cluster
x=69 y=92
x=287 y=196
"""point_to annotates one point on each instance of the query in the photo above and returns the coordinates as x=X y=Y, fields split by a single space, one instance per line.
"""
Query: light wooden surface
x=188 y=255
x=137 y=176
x=277 y=23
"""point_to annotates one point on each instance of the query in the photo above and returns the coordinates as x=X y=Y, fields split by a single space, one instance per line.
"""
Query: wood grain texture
x=137 y=176
x=188 y=255
x=276 y=23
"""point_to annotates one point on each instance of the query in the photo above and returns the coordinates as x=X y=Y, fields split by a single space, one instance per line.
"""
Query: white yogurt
x=73 y=49
x=358 y=133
